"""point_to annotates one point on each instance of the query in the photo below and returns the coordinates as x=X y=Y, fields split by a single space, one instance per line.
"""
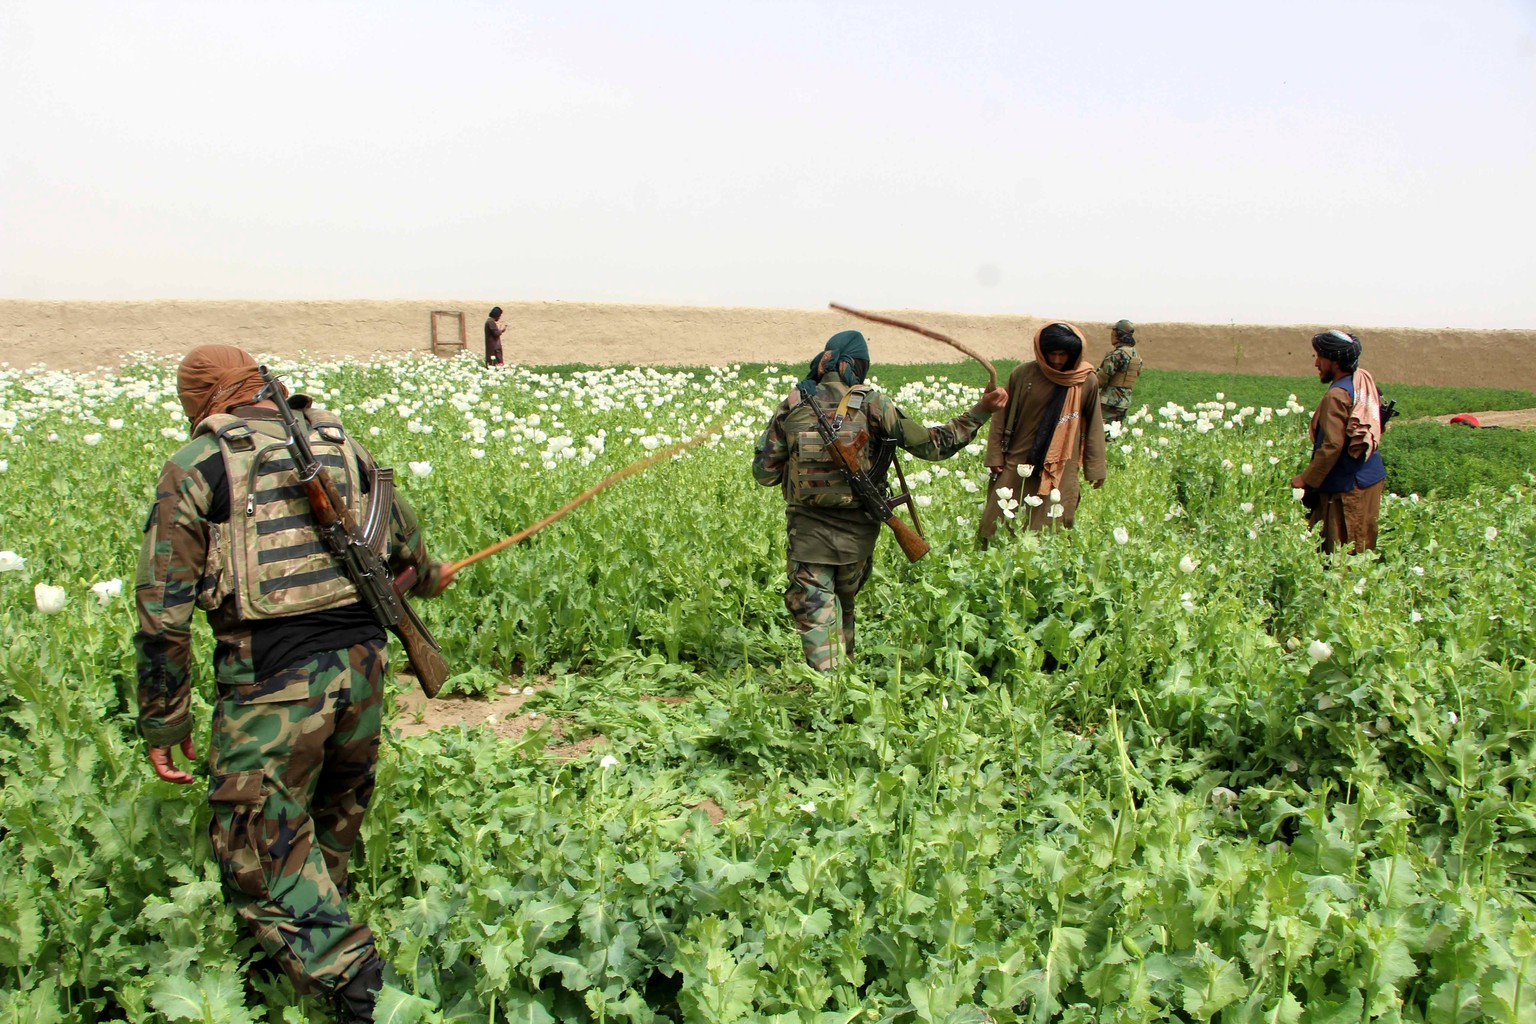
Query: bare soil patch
x=502 y=713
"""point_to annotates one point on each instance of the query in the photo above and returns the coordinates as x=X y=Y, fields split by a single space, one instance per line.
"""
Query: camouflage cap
x=1125 y=327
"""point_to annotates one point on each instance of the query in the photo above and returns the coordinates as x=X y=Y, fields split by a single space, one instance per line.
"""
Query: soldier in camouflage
x=831 y=540
x=1118 y=373
x=299 y=667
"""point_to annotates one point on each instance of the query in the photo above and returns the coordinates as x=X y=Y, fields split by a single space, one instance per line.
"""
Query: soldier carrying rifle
x=253 y=523
x=830 y=419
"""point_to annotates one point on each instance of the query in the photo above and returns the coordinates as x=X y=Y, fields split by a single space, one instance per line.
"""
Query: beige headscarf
x=1067 y=439
x=1364 y=427
x=214 y=379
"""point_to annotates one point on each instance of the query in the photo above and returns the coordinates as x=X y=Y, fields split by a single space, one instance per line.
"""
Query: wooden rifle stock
x=909 y=540
x=912 y=545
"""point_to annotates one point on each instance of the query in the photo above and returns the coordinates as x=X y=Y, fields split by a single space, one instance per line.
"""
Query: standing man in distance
x=1051 y=432
x=1344 y=480
x=1118 y=372
x=831 y=540
x=494 y=329
x=298 y=661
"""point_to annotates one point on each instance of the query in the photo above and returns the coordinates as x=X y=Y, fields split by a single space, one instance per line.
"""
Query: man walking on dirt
x=1118 y=372
x=299 y=666
x=831 y=539
x=1342 y=484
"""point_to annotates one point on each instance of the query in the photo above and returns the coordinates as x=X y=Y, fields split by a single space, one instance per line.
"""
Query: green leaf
x=398 y=1007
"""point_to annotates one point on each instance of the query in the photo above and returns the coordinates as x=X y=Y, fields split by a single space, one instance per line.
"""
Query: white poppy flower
x=1320 y=650
x=809 y=807
x=1246 y=469
x=1122 y=535
x=1004 y=492
x=608 y=761
x=1298 y=493
x=1246 y=506
x=115 y=423
x=420 y=468
x=92 y=439
x=1415 y=617
x=50 y=600
x=1491 y=534
x=5 y=463
x=1188 y=564
x=1055 y=495
x=923 y=500
x=1055 y=512
x=528 y=691
x=1026 y=470
x=106 y=590
x=1033 y=500
x=10 y=561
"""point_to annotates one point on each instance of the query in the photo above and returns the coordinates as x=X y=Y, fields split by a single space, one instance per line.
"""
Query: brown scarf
x=1067 y=439
x=214 y=379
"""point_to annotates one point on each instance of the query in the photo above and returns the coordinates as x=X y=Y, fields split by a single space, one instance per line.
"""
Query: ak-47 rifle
x=360 y=552
x=870 y=494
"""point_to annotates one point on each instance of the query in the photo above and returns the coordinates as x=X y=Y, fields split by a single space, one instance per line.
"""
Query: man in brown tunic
x=1343 y=481
x=494 y=329
x=1051 y=430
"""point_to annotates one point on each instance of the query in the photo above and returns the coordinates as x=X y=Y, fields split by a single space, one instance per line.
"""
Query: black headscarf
x=1340 y=346
x=1055 y=338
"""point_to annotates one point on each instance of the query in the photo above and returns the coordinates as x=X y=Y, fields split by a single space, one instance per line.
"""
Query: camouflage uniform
x=831 y=541
x=296 y=720
x=1117 y=376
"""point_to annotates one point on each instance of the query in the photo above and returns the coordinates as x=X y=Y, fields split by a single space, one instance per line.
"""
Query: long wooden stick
x=586 y=495
x=925 y=332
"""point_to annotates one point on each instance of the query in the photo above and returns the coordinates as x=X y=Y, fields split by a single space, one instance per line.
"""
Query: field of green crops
x=1173 y=765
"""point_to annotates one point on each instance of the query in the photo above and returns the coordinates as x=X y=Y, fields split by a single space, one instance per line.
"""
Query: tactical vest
x=813 y=477
x=269 y=555
x=1126 y=378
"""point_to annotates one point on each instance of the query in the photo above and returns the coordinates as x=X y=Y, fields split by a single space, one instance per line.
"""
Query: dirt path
x=1524 y=419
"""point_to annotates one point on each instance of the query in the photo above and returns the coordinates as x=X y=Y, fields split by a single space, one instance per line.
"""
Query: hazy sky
x=1364 y=163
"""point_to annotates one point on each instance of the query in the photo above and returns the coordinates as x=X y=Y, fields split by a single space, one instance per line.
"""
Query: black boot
x=354 y=1001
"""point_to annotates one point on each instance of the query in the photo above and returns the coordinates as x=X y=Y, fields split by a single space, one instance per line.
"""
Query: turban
x=214 y=379
x=1341 y=347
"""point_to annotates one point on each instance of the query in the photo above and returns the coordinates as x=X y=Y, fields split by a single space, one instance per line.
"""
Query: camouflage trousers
x=293 y=767
x=1112 y=414
x=820 y=598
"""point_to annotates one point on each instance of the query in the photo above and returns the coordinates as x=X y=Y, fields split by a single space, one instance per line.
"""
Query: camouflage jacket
x=833 y=536
x=1114 y=365
x=191 y=496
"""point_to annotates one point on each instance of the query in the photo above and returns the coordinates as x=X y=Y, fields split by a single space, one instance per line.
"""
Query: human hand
x=164 y=764
x=994 y=400
x=1297 y=481
x=1097 y=484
